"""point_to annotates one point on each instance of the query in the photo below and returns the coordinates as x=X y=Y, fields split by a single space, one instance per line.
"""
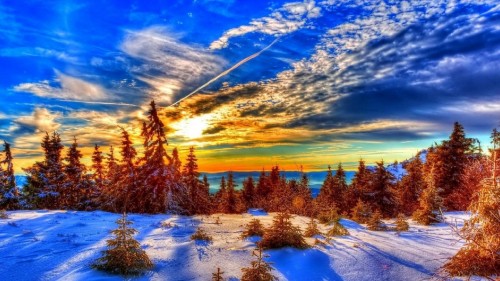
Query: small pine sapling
x=217 y=276
x=375 y=222
x=329 y=216
x=253 y=228
x=283 y=234
x=201 y=234
x=124 y=254
x=312 y=229
x=361 y=212
x=260 y=270
x=337 y=230
x=401 y=223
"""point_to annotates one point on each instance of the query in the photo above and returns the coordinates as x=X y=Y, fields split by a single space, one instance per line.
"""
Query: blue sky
x=337 y=80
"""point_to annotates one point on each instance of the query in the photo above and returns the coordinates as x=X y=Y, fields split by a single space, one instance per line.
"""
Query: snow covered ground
x=61 y=245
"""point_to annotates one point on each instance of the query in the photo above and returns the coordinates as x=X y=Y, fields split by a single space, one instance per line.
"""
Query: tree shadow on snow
x=297 y=265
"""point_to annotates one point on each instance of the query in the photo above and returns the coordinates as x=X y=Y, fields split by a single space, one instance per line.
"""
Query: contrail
x=227 y=71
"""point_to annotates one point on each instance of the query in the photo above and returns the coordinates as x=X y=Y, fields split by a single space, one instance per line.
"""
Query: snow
x=61 y=245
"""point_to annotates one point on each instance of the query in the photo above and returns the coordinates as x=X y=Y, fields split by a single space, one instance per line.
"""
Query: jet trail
x=227 y=71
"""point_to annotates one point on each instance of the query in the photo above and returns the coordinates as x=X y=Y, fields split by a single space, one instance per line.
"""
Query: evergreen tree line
x=446 y=177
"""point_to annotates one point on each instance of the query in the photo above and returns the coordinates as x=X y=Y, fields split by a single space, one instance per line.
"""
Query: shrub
x=401 y=223
x=201 y=234
x=375 y=222
x=328 y=217
x=124 y=254
x=3 y=214
x=253 y=228
x=337 y=230
x=312 y=229
x=283 y=234
x=260 y=270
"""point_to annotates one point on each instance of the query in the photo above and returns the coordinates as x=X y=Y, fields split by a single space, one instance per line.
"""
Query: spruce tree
x=231 y=202
x=45 y=179
x=312 y=229
x=154 y=172
x=375 y=221
x=9 y=195
x=380 y=195
x=481 y=254
x=198 y=193
x=127 y=193
x=430 y=204
x=358 y=187
x=77 y=185
x=124 y=254
x=361 y=212
x=283 y=233
x=410 y=187
x=248 y=192
x=401 y=223
x=107 y=200
x=260 y=270
x=98 y=168
x=253 y=228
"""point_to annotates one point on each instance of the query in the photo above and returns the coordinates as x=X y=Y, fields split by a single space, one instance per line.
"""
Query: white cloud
x=70 y=88
x=179 y=64
x=287 y=19
x=40 y=120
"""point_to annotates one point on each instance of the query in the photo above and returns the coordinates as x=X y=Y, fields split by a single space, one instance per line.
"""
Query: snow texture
x=61 y=245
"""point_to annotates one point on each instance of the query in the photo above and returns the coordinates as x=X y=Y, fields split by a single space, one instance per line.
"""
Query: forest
x=456 y=174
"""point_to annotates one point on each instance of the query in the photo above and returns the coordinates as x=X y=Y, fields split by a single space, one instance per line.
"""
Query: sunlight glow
x=192 y=128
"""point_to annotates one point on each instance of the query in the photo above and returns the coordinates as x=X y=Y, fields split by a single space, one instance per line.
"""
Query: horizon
x=299 y=84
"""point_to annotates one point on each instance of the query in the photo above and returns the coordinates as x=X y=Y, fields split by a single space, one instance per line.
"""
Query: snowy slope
x=60 y=245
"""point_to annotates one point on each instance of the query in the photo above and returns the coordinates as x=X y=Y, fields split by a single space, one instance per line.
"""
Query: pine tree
x=375 y=222
x=124 y=254
x=260 y=270
x=45 y=179
x=99 y=172
x=302 y=201
x=248 y=192
x=430 y=204
x=312 y=229
x=219 y=195
x=361 y=212
x=154 y=172
x=401 y=223
x=198 y=193
x=127 y=193
x=77 y=186
x=359 y=186
x=253 y=228
x=217 y=276
x=283 y=233
x=380 y=195
x=410 y=187
x=178 y=201
x=448 y=161
x=481 y=254
x=231 y=202
x=107 y=199
x=9 y=195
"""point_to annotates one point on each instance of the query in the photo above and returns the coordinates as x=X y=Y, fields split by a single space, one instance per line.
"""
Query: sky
x=251 y=84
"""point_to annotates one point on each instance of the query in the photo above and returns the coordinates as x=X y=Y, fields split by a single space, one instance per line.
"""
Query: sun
x=192 y=128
